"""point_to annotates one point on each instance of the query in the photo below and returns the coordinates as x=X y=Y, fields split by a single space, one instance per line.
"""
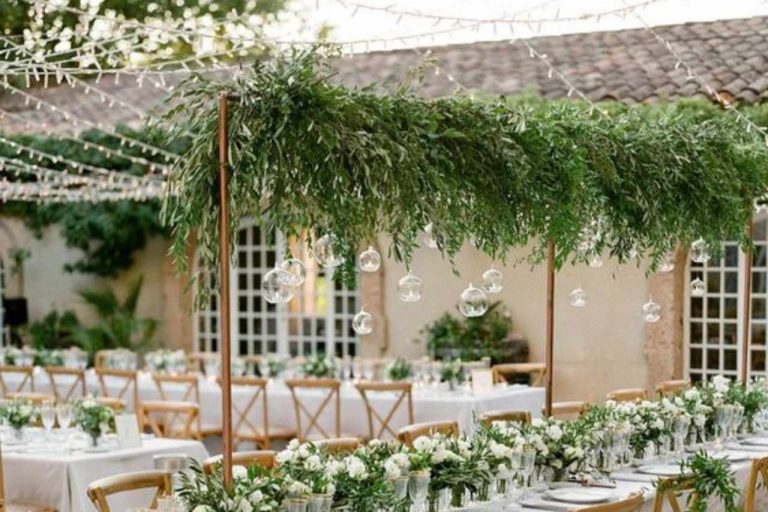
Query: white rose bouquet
x=308 y=466
x=163 y=360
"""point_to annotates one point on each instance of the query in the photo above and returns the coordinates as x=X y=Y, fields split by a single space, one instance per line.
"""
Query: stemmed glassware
x=527 y=465
x=736 y=420
x=48 y=418
x=680 y=431
x=722 y=420
x=64 y=415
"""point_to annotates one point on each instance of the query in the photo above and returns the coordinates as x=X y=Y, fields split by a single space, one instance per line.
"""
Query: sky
x=401 y=26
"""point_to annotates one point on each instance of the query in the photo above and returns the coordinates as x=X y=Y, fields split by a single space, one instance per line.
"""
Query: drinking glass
x=346 y=369
x=64 y=414
x=680 y=428
x=721 y=420
x=527 y=465
x=357 y=369
x=295 y=505
x=418 y=487
x=401 y=487
x=738 y=418
x=437 y=372
x=48 y=418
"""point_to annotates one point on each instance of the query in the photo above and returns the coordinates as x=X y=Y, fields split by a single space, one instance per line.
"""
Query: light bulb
x=473 y=302
x=492 y=281
x=369 y=260
x=409 y=288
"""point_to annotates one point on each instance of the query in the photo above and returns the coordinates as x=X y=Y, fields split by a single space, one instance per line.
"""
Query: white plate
x=661 y=470
x=96 y=449
x=756 y=441
x=731 y=457
x=580 y=495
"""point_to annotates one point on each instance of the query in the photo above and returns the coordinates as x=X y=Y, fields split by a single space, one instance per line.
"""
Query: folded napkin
x=547 y=505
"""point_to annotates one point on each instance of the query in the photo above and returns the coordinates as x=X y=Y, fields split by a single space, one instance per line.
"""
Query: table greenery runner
x=309 y=155
x=367 y=479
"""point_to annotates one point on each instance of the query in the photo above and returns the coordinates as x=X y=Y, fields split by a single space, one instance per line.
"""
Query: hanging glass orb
x=369 y=260
x=700 y=251
x=492 y=281
x=697 y=288
x=651 y=312
x=667 y=263
x=297 y=269
x=277 y=286
x=473 y=302
x=578 y=298
x=595 y=261
x=362 y=323
x=428 y=238
x=409 y=288
x=325 y=250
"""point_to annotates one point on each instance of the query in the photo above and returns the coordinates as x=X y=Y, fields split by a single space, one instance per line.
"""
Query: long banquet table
x=429 y=403
x=59 y=477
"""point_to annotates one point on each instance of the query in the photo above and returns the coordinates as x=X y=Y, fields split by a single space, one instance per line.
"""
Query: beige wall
x=598 y=348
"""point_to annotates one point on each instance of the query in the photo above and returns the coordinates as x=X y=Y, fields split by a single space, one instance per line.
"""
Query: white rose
x=243 y=505
x=313 y=463
x=256 y=497
x=293 y=445
x=392 y=470
x=333 y=467
x=554 y=432
x=239 y=472
x=303 y=451
x=658 y=424
x=355 y=468
x=202 y=508
x=721 y=384
x=423 y=444
x=401 y=459
x=537 y=422
x=285 y=456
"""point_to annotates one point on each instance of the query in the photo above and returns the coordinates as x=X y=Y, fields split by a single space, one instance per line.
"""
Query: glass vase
x=401 y=487
x=295 y=505
x=459 y=497
x=320 y=503
x=418 y=488
x=18 y=434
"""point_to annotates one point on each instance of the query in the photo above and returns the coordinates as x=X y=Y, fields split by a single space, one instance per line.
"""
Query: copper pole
x=747 y=316
x=550 y=330
x=224 y=339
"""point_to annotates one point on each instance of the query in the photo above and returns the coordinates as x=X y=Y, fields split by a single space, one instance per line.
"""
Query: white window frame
x=350 y=344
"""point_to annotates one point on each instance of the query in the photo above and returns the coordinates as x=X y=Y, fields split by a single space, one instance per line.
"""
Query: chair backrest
x=36 y=399
x=339 y=445
x=758 y=471
x=669 y=489
x=23 y=376
x=407 y=435
x=196 y=360
x=263 y=458
x=631 y=503
x=66 y=383
x=562 y=410
x=378 y=424
x=187 y=389
x=116 y=404
x=171 y=419
x=628 y=395
x=128 y=383
x=489 y=417
x=535 y=372
x=672 y=387
x=99 y=490
x=244 y=428
x=330 y=389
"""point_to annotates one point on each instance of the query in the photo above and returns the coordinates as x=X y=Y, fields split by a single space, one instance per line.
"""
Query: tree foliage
x=310 y=154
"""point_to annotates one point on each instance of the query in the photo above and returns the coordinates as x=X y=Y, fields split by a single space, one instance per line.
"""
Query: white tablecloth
x=60 y=479
x=429 y=403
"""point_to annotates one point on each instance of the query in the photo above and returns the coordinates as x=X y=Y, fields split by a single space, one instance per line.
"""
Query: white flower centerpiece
x=166 y=361
x=94 y=419
x=18 y=414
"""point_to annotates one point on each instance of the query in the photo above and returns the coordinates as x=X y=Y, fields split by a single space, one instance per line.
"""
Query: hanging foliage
x=310 y=154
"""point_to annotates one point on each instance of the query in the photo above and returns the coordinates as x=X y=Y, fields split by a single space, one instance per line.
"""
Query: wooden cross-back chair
x=26 y=374
x=63 y=390
x=759 y=471
x=339 y=445
x=35 y=399
x=188 y=391
x=491 y=417
x=126 y=379
x=672 y=387
x=244 y=428
x=565 y=410
x=196 y=360
x=116 y=404
x=407 y=435
x=628 y=395
x=670 y=490
x=99 y=490
x=263 y=458
x=332 y=397
x=535 y=372
x=171 y=419
x=631 y=503
x=403 y=397
x=13 y=506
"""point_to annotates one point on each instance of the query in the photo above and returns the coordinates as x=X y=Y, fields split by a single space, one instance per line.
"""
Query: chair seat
x=28 y=507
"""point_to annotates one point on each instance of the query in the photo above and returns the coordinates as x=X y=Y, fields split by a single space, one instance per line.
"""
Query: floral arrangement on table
x=10 y=355
x=452 y=372
x=166 y=361
x=271 y=366
x=400 y=369
x=49 y=358
x=442 y=470
x=319 y=366
x=18 y=414
x=93 y=418
x=121 y=359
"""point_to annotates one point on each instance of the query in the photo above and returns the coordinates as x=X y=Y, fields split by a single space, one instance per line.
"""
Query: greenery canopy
x=309 y=155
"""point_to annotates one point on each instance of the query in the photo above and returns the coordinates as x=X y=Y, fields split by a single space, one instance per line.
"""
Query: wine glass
x=738 y=418
x=64 y=415
x=527 y=465
x=346 y=369
x=680 y=429
x=357 y=369
x=48 y=418
x=515 y=466
x=721 y=419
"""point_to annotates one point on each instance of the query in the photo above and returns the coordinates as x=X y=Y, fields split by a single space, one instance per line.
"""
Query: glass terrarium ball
x=651 y=312
x=697 y=288
x=700 y=251
x=429 y=237
x=362 y=323
x=595 y=261
x=297 y=270
x=473 y=302
x=409 y=288
x=369 y=260
x=492 y=281
x=326 y=251
x=277 y=286
x=667 y=263
x=578 y=298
